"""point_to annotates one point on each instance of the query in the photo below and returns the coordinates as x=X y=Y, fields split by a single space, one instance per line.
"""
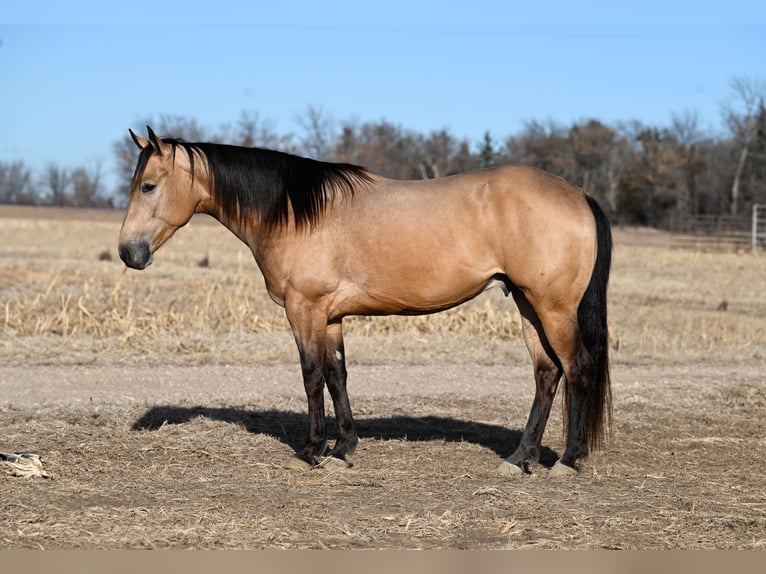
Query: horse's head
x=163 y=197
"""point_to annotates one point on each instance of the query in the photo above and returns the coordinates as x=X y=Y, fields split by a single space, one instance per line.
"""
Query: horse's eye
x=147 y=187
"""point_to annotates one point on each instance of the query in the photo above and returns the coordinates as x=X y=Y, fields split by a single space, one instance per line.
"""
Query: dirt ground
x=194 y=457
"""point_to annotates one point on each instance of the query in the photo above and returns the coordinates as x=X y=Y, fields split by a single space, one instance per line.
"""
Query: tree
x=592 y=145
x=57 y=180
x=653 y=187
x=86 y=187
x=382 y=147
x=742 y=116
x=254 y=131
x=546 y=146
x=486 y=155
x=440 y=154
x=685 y=131
x=16 y=184
x=319 y=134
x=714 y=176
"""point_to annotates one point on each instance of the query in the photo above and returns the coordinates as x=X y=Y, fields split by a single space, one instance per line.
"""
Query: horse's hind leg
x=335 y=376
x=563 y=334
x=577 y=411
x=548 y=373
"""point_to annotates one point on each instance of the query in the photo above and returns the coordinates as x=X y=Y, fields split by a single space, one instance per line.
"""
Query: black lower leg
x=546 y=378
x=577 y=423
x=316 y=439
x=346 y=435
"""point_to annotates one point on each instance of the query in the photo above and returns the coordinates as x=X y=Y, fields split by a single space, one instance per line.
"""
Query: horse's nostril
x=125 y=254
x=136 y=255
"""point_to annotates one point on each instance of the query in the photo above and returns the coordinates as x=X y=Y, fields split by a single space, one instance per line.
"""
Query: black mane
x=268 y=183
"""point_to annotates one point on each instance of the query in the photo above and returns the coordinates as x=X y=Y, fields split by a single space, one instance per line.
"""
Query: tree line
x=642 y=174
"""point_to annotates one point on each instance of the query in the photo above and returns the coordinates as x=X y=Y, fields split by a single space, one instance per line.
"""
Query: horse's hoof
x=298 y=465
x=560 y=469
x=333 y=462
x=509 y=469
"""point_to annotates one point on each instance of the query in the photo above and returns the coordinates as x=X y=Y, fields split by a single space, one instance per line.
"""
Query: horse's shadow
x=290 y=427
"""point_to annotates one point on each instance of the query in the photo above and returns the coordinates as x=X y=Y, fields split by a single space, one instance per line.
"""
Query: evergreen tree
x=486 y=155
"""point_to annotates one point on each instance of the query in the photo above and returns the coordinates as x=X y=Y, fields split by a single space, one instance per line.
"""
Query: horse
x=334 y=239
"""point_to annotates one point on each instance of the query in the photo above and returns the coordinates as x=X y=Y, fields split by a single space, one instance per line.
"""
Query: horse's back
x=513 y=192
x=515 y=218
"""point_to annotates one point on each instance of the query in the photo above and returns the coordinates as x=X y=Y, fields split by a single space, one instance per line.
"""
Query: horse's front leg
x=309 y=327
x=312 y=367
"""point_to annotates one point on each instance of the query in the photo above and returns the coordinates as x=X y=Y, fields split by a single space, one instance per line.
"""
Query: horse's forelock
x=143 y=160
x=146 y=153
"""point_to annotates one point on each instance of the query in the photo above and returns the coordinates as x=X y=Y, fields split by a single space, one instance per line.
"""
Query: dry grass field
x=167 y=402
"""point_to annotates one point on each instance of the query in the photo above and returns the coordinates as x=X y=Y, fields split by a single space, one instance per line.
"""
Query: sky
x=75 y=75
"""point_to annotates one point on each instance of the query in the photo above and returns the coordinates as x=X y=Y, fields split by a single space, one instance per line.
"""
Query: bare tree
x=252 y=130
x=546 y=146
x=57 y=180
x=181 y=127
x=742 y=117
x=319 y=133
x=382 y=147
x=440 y=154
x=434 y=153
x=685 y=127
x=685 y=130
x=126 y=153
x=87 y=189
x=16 y=184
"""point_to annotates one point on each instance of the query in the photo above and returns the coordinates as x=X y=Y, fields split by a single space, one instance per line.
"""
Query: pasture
x=167 y=404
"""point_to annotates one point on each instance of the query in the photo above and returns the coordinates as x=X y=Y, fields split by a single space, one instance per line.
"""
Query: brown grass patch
x=56 y=287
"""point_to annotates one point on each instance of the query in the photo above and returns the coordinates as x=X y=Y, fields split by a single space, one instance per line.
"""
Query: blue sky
x=75 y=75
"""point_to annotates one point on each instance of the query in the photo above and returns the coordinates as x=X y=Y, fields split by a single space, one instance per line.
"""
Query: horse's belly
x=413 y=297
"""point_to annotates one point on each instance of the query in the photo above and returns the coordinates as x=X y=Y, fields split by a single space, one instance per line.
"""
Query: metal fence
x=723 y=231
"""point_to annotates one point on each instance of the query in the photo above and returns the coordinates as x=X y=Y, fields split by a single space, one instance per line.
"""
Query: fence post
x=756 y=220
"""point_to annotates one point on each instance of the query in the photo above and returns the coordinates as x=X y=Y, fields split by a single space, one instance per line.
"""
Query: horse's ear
x=140 y=142
x=156 y=142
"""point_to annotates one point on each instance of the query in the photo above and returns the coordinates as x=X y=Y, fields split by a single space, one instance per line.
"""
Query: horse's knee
x=547 y=376
x=578 y=371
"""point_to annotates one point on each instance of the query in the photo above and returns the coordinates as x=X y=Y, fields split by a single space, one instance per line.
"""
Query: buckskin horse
x=334 y=239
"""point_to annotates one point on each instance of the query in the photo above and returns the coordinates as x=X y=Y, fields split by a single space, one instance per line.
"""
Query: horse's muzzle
x=136 y=255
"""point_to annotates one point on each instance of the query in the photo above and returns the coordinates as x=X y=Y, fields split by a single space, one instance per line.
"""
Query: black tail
x=591 y=315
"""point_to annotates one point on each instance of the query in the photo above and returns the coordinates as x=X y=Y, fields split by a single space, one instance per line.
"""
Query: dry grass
x=684 y=306
x=63 y=288
x=58 y=288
